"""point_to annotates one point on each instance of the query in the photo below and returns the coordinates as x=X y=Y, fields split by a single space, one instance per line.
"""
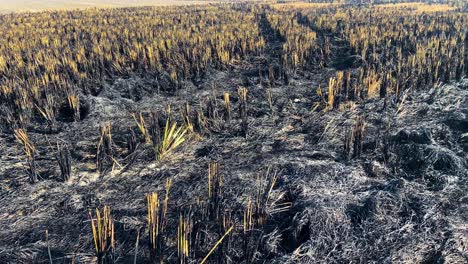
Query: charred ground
x=375 y=180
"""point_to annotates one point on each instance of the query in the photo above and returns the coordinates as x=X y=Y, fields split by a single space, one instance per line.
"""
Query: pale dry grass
x=8 y=6
x=420 y=7
x=301 y=5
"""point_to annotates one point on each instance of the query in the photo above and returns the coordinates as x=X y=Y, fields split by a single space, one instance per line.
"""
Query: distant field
x=7 y=6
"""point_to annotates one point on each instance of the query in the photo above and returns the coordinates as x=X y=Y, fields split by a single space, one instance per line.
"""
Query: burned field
x=235 y=133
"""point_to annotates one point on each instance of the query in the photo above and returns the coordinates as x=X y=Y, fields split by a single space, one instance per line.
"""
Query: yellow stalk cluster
x=173 y=136
x=242 y=93
x=40 y=55
x=338 y=88
x=157 y=219
x=263 y=203
x=300 y=47
x=400 y=48
x=167 y=140
x=227 y=106
x=186 y=116
x=183 y=238
x=141 y=123
x=102 y=227
x=74 y=103
x=23 y=139
x=153 y=218
x=30 y=150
